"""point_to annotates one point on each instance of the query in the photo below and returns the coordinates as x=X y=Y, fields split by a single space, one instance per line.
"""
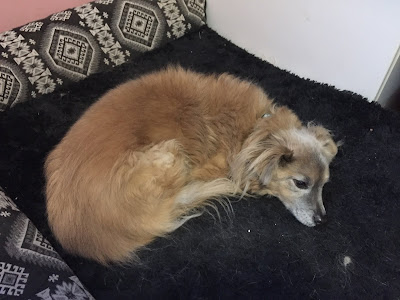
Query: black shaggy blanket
x=261 y=252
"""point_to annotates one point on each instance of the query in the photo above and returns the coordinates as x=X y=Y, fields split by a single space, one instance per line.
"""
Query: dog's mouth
x=304 y=216
x=308 y=217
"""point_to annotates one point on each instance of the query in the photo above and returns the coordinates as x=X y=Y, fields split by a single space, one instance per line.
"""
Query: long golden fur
x=140 y=159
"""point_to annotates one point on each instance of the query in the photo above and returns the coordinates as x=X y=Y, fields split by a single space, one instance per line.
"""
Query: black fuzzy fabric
x=261 y=252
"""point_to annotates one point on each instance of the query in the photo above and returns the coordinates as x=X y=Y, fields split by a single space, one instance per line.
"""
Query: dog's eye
x=300 y=184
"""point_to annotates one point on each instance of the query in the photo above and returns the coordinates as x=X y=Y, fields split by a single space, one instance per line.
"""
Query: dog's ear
x=274 y=157
x=330 y=148
x=259 y=160
x=286 y=157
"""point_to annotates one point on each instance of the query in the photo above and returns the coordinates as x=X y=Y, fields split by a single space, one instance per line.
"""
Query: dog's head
x=291 y=164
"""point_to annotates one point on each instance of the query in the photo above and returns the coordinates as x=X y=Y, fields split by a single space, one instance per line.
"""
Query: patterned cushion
x=41 y=56
x=29 y=266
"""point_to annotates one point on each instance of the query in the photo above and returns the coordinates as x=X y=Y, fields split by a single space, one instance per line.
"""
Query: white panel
x=349 y=44
x=391 y=83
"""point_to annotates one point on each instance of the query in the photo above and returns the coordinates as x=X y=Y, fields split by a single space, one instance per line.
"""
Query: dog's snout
x=320 y=219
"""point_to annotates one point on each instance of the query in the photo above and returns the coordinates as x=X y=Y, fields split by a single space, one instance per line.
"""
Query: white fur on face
x=304 y=216
x=303 y=213
x=304 y=208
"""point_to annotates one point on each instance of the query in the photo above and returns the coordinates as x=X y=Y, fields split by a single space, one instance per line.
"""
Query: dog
x=147 y=155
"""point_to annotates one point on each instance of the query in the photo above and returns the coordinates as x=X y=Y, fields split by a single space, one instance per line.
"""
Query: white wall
x=347 y=43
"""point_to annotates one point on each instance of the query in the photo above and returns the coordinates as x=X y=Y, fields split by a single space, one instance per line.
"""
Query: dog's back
x=114 y=181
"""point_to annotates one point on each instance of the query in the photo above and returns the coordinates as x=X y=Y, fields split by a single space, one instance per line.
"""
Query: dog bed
x=262 y=251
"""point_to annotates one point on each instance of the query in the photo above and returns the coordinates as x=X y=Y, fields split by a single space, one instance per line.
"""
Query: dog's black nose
x=320 y=219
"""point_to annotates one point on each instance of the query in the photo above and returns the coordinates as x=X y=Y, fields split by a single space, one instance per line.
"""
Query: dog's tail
x=195 y=196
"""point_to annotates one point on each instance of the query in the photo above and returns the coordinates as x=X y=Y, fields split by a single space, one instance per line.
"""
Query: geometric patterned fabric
x=30 y=268
x=44 y=55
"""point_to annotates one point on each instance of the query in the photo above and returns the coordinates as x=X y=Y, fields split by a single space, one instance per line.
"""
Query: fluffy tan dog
x=147 y=154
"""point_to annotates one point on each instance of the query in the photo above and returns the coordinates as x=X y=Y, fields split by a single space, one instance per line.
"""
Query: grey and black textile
x=30 y=268
x=263 y=252
x=41 y=56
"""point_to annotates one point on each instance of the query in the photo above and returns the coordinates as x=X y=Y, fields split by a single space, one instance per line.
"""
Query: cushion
x=42 y=56
x=29 y=266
